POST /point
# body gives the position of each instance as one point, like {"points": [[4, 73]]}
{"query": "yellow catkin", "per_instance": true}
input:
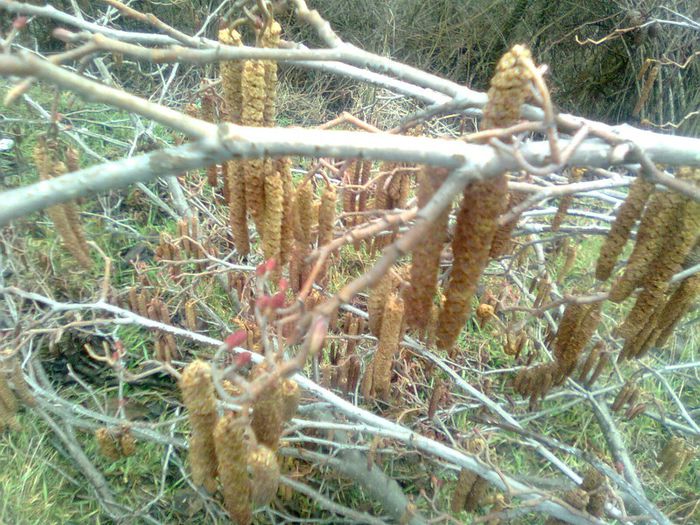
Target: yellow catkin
{"points": [[229, 437], [284, 168], [578, 330], [594, 483], [466, 481], [20, 385], [237, 206], [64, 216], [231, 74], [7, 398], [650, 235], [388, 345], [509, 89], [191, 315], [270, 38], [502, 239], [304, 217], [107, 444], [476, 494], [628, 214], [376, 300], [675, 455], [326, 221], [326, 215], [676, 307], [268, 409], [291, 395], [483, 201], [265, 475], [274, 213], [127, 443], [198, 396], [477, 218], [425, 262], [566, 200]]}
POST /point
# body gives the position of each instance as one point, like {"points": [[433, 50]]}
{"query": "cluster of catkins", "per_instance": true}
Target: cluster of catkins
{"points": [[470, 492], [590, 496], [259, 188], [628, 396], [232, 452], [141, 302], [115, 444], [675, 455], [577, 326], [65, 217], [13, 391], [667, 236]]}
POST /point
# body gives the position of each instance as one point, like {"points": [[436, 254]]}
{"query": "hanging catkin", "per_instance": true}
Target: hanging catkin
{"points": [[198, 396], [680, 237], [392, 322], [64, 216], [268, 411], [629, 212], [376, 300], [676, 307], [483, 201], [650, 235], [574, 333], [274, 213], [270, 38], [566, 200], [502, 239], [284, 167], [229, 437], [265, 475], [425, 261], [231, 74], [326, 222]]}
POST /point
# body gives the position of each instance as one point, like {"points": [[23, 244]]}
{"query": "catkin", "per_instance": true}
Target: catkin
{"points": [[265, 475], [291, 395], [303, 221], [231, 74], [578, 330], [652, 230], [270, 38], [676, 307], [675, 455], [376, 300], [20, 385], [64, 216], [502, 239], [629, 212], [680, 237], [107, 444], [482, 203], [566, 200], [237, 206], [268, 412], [229, 438], [466, 481], [198, 396], [389, 337], [425, 261], [284, 167], [274, 213], [326, 215]]}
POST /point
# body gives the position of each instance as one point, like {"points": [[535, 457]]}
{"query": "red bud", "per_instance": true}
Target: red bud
{"points": [[277, 300], [242, 359], [19, 22], [261, 303], [283, 285], [237, 338]]}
